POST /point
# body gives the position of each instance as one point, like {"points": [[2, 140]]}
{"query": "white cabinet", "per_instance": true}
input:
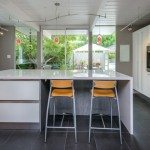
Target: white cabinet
{"points": [[19, 90], [141, 78], [20, 101], [19, 112]]}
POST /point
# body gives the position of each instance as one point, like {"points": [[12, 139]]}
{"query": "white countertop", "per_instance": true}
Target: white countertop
{"points": [[37, 74]]}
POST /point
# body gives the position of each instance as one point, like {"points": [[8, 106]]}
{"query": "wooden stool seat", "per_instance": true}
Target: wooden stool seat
{"points": [[103, 93], [62, 92]]}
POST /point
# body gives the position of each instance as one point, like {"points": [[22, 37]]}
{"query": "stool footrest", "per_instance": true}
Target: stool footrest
{"points": [[52, 127], [96, 128]]}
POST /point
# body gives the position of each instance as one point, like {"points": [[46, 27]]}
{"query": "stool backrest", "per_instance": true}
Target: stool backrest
{"points": [[104, 84], [61, 83]]}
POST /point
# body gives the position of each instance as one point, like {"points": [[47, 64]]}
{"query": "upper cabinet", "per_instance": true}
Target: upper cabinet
{"points": [[141, 77]]}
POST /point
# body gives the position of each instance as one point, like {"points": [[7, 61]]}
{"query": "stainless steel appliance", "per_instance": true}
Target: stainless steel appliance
{"points": [[148, 58]]}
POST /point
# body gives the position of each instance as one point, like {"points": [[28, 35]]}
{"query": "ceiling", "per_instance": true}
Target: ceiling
{"points": [[35, 13]]}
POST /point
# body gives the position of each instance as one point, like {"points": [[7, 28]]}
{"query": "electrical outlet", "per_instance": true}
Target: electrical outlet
{"points": [[8, 56]]}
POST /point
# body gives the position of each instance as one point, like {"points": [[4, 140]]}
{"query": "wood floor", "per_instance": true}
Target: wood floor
{"points": [[100, 140]]}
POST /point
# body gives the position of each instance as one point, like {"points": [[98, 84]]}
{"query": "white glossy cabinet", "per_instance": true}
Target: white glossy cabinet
{"points": [[141, 78], [19, 101]]}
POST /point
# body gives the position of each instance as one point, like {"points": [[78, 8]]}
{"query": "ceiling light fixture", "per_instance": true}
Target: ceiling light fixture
{"points": [[1, 33], [130, 28], [56, 37], [2, 28], [139, 17], [57, 4], [99, 37]]}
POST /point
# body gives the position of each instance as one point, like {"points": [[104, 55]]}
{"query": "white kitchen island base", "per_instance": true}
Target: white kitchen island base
{"points": [[23, 95]]}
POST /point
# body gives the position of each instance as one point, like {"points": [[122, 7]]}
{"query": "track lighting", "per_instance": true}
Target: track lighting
{"points": [[130, 28]]}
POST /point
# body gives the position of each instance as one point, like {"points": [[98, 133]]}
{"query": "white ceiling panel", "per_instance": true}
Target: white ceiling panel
{"points": [[36, 12]]}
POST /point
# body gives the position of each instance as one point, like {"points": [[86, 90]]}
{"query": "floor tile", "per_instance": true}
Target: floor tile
{"points": [[109, 141], [82, 143], [5, 135], [20, 140], [55, 141]]}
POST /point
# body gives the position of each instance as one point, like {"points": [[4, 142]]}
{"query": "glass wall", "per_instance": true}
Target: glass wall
{"points": [[54, 49], [65, 49], [26, 49], [77, 45], [104, 48]]}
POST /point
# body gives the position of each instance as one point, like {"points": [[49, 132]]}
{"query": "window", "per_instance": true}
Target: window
{"points": [[104, 48], [26, 49], [65, 49], [77, 48]]}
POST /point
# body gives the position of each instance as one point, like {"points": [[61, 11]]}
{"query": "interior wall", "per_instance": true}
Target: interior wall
{"points": [[7, 49], [124, 38]]}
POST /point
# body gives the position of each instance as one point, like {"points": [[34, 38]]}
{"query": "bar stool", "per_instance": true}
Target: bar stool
{"points": [[104, 89], [61, 88]]}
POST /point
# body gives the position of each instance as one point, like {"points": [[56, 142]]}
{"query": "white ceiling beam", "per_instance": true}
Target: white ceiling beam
{"points": [[18, 14], [94, 19]]}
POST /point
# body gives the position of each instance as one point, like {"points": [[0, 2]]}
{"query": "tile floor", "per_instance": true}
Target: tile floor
{"points": [[100, 140]]}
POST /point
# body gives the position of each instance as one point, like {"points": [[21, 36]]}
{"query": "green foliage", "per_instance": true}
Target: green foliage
{"points": [[54, 54], [107, 40], [26, 66], [29, 47], [112, 55]]}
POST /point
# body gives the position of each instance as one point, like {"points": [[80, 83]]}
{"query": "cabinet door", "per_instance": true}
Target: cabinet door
{"points": [[134, 60], [141, 78], [136, 44], [145, 77]]}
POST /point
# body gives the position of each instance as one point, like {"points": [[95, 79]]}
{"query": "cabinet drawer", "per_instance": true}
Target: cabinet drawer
{"points": [[19, 90], [19, 112]]}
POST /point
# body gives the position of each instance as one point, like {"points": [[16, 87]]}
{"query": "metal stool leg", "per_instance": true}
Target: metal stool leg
{"points": [[119, 116], [111, 111], [47, 118], [54, 113], [90, 121], [74, 116]]}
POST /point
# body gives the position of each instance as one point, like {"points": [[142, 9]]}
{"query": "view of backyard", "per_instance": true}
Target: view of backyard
{"points": [[68, 50]]}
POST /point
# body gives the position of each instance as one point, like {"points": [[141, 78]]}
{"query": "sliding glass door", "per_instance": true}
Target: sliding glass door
{"points": [[77, 49], [54, 47], [104, 48], [65, 49]]}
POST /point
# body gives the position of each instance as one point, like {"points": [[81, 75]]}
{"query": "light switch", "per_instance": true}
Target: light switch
{"points": [[8, 56]]}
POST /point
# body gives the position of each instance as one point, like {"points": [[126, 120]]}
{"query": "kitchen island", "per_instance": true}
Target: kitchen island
{"points": [[23, 95]]}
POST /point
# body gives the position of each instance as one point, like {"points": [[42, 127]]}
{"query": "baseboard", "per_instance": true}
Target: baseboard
{"points": [[144, 97], [16, 125]]}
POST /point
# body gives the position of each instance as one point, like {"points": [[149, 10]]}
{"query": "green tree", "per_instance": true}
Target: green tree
{"points": [[54, 54], [107, 40], [29, 47]]}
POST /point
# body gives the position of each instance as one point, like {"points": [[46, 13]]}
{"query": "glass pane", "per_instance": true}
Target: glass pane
{"points": [[77, 49], [104, 48], [26, 49], [54, 49]]}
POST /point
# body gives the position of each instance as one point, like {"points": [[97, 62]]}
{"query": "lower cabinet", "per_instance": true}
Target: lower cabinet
{"points": [[20, 101], [19, 112]]}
